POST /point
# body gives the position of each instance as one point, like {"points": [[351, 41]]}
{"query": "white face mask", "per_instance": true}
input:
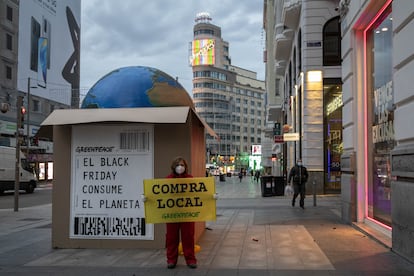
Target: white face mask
{"points": [[179, 169], [299, 163]]}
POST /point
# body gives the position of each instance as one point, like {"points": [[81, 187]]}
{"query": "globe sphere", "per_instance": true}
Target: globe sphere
{"points": [[136, 86]]}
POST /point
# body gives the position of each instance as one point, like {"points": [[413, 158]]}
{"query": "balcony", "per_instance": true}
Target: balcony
{"points": [[291, 13], [283, 44]]}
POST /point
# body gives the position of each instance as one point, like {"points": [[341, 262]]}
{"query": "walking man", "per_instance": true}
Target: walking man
{"points": [[299, 173]]}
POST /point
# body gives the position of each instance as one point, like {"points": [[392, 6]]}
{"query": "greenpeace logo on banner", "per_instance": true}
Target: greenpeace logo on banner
{"points": [[179, 199]]}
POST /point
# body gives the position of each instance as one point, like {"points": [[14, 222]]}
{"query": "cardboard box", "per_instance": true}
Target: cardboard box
{"points": [[173, 131]]}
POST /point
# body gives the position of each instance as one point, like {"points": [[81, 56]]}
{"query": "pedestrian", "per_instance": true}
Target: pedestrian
{"points": [[241, 175], [179, 169], [257, 175], [299, 174]]}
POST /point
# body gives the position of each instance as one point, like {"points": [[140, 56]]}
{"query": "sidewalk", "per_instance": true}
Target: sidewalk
{"points": [[252, 235]]}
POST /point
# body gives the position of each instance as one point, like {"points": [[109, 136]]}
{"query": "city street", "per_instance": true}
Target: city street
{"points": [[252, 235], [42, 195]]}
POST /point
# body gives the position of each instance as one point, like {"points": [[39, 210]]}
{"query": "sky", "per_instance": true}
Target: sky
{"points": [[156, 33]]}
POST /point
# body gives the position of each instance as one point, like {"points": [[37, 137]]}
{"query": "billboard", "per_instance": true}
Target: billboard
{"points": [[202, 52], [49, 48]]}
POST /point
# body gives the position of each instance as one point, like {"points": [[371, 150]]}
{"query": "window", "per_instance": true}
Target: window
{"points": [[8, 72], [9, 13], [381, 95], [36, 106], [9, 42], [300, 50], [332, 43]]}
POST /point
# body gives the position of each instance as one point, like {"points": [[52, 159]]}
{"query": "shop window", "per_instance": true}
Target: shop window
{"points": [[380, 116], [333, 148]]}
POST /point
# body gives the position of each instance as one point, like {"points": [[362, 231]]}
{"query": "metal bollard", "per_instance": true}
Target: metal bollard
{"points": [[314, 193]]}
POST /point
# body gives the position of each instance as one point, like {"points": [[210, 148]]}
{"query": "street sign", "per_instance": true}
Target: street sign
{"points": [[278, 138], [291, 136]]}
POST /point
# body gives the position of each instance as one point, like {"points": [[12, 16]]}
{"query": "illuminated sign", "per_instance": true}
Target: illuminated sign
{"points": [[256, 149], [334, 105], [291, 136], [202, 52]]}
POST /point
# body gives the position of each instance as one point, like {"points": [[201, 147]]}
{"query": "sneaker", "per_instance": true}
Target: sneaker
{"points": [[171, 265], [192, 265]]}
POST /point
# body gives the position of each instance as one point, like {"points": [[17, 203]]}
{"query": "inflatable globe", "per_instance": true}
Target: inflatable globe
{"points": [[136, 86]]}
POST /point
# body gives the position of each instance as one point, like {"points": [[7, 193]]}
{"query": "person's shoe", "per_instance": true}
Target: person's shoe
{"points": [[192, 265], [171, 265], [303, 207]]}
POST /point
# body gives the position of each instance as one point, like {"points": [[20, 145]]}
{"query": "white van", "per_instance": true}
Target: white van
{"points": [[7, 171]]}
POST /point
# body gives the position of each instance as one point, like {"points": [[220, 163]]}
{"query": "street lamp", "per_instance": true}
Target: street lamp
{"points": [[28, 116], [19, 126]]}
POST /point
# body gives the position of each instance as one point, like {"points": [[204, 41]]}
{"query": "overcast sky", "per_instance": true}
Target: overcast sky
{"points": [[157, 33]]}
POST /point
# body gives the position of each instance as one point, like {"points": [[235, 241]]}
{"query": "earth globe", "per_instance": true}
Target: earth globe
{"points": [[136, 86]]}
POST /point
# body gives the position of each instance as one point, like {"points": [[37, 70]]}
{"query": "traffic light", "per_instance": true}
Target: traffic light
{"points": [[22, 113]]}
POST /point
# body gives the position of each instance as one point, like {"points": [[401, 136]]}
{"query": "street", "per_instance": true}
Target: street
{"points": [[40, 196], [251, 235]]}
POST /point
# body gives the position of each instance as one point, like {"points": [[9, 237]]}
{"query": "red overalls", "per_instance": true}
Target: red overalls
{"points": [[187, 236]]}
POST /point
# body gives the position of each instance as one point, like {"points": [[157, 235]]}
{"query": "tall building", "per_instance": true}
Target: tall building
{"points": [[9, 29], [40, 62], [229, 98], [346, 68]]}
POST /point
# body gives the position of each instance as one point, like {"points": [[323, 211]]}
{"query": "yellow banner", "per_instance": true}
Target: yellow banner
{"points": [[179, 199]]}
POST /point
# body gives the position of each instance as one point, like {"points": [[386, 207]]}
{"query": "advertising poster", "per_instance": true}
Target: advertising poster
{"points": [[109, 164], [202, 52], [49, 48], [180, 199]]}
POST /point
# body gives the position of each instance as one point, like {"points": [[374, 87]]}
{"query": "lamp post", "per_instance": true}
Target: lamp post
{"points": [[19, 126], [28, 118]]}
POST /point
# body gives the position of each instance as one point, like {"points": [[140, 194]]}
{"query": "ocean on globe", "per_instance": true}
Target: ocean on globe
{"points": [[136, 86]]}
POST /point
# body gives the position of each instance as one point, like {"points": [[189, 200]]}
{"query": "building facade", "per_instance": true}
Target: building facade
{"points": [[378, 175], [9, 29], [39, 62], [346, 68], [229, 98], [303, 80]]}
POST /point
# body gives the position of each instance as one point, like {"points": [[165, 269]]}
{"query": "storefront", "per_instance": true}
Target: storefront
{"points": [[379, 116], [332, 90], [376, 164]]}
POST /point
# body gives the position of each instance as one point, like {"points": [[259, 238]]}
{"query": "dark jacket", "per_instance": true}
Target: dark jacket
{"points": [[299, 175]]}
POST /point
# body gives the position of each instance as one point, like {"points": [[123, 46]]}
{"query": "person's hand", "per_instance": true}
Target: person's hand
{"points": [[144, 198], [216, 196]]}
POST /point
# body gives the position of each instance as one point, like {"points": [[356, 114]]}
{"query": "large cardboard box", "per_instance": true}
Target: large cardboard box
{"points": [[87, 161]]}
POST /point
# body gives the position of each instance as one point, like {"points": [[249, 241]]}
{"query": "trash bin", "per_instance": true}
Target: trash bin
{"points": [[279, 185], [222, 178], [267, 185]]}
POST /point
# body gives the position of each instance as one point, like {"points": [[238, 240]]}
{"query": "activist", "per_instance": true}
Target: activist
{"points": [[179, 169]]}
